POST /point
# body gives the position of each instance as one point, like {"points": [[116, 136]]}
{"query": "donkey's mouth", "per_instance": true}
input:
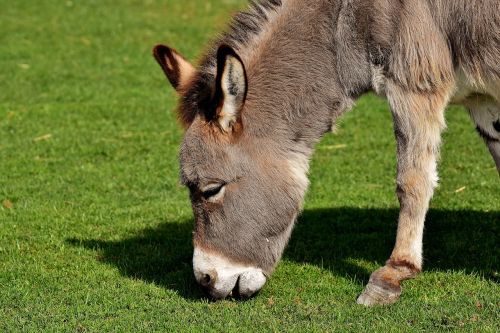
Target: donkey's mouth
{"points": [[220, 278], [240, 291], [235, 293]]}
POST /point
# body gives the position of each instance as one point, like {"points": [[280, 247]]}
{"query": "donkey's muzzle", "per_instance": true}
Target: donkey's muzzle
{"points": [[219, 277]]}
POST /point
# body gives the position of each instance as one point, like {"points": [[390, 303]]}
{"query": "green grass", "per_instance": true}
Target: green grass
{"points": [[95, 230]]}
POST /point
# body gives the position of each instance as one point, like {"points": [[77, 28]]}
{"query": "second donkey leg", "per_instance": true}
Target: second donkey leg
{"points": [[418, 123]]}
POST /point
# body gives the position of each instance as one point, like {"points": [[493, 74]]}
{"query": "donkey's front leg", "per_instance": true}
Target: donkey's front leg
{"points": [[418, 122]]}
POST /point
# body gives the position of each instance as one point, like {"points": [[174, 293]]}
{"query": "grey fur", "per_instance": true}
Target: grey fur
{"points": [[306, 61]]}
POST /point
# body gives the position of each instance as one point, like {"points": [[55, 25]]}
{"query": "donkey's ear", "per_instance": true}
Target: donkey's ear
{"points": [[177, 69], [231, 85]]}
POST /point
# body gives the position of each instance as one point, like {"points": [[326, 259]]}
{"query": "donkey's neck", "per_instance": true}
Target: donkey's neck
{"points": [[291, 72]]}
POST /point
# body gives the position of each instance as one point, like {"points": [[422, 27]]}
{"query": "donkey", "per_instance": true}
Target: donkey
{"points": [[278, 79]]}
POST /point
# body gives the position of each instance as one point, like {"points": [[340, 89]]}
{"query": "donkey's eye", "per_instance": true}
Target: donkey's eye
{"points": [[213, 192]]}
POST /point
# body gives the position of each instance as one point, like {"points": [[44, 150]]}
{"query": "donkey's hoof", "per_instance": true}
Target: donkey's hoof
{"points": [[379, 295]]}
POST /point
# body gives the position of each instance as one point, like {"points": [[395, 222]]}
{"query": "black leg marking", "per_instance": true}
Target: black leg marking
{"points": [[485, 135], [496, 125]]}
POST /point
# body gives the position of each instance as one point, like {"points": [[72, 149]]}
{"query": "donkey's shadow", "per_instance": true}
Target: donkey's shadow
{"points": [[333, 238]]}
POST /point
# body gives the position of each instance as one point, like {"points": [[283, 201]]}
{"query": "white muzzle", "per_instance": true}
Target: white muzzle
{"points": [[219, 277]]}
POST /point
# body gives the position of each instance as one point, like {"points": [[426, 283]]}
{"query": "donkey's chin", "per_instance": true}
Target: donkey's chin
{"points": [[220, 278]]}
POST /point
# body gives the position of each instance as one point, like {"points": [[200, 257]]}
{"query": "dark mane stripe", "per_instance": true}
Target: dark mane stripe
{"points": [[245, 25], [248, 23]]}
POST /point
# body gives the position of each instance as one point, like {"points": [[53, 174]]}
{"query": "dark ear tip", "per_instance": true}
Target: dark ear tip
{"points": [[225, 50], [160, 49]]}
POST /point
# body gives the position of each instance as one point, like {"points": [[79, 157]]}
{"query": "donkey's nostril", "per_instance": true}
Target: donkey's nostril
{"points": [[206, 280]]}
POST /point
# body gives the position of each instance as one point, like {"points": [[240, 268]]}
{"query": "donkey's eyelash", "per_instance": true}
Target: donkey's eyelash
{"points": [[212, 191], [212, 186], [205, 183]]}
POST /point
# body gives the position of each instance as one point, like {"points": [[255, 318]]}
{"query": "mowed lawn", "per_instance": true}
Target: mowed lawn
{"points": [[95, 229]]}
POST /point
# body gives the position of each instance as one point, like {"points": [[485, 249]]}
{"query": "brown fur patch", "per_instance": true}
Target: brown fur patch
{"points": [[392, 274], [398, 264]]}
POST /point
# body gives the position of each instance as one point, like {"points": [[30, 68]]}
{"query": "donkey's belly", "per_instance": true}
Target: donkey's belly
{"points": [[468, 91]]}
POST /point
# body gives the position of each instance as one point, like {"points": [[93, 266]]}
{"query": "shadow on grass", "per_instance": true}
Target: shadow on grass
{"points": [[458, 240]]}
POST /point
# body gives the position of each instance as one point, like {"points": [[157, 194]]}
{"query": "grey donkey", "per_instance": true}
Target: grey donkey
{"points": [[276, 81]]}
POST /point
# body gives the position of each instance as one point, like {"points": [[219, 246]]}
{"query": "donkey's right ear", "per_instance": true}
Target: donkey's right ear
{"points": [[177, 69]]}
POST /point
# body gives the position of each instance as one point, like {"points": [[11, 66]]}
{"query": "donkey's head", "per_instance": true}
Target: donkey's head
{"points": [[246, 189]]}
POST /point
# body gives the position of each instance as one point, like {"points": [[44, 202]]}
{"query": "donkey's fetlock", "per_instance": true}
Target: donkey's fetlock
{"points": [[383, 288]]}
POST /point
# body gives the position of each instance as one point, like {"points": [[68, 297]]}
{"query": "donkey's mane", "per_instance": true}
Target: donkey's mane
{"points": [[244, 26]]}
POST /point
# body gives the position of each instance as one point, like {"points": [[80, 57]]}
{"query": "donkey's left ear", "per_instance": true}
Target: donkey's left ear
{"points": [[231, 83], [177, 69]]}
